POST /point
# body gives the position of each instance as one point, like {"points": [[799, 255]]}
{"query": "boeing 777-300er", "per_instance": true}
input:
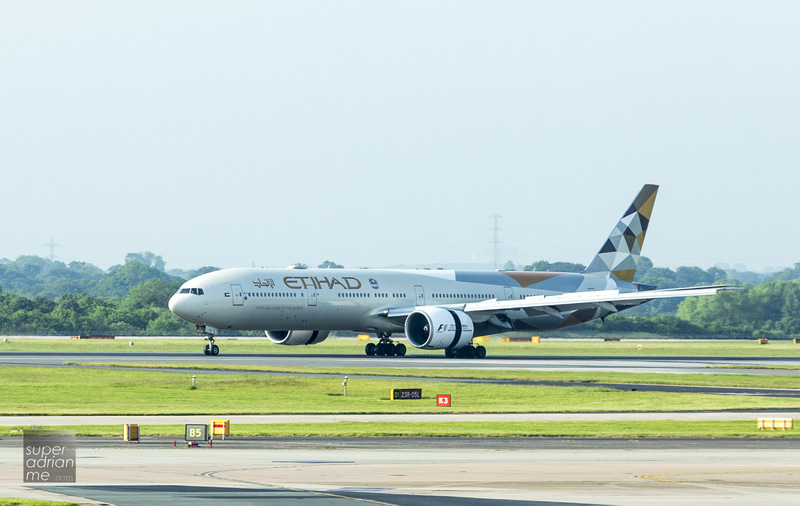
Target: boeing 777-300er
{"points": [[436, 309]]}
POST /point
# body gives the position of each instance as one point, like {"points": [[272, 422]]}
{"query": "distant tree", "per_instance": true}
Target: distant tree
{"points": [[147, 258], [787, 274], [327, 264], [154, 292], [202, 270], [543, 265], [509, 266], [121, 278]]}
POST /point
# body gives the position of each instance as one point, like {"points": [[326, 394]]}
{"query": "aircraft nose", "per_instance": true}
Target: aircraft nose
{"points": [[177, 305]]}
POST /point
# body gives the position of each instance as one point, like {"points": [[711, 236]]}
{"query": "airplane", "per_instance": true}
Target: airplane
{"points": [[435, 309]]}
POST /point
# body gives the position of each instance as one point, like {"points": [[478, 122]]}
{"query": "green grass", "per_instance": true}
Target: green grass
{"points": [[598, 429], [495, 346], [89, 391], [374, 369], [10, 501]]}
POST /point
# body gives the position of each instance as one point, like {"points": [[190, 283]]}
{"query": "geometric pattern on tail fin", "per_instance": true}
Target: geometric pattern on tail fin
{"points": [[619, 255]]}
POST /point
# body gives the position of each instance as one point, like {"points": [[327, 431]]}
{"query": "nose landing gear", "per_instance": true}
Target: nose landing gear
{"points": [[211, 348], [385, 347]]}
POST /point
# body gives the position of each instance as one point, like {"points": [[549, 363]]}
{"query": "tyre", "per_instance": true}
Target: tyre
{"points": [[370, 349], [207, 350], [215, 350], [380, 349], [480, 352], [390, 350], [400, 349], [469, 352], [450, 353]]}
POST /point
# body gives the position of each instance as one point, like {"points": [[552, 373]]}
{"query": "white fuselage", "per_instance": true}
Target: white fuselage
{"points": [[349, 299]]}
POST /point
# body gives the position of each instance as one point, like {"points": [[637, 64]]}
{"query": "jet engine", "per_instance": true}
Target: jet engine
{"points": [[296, 337], [435, 328]]}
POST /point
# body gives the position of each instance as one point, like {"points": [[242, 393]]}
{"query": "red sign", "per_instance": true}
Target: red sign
{"points": [[443, 401]]}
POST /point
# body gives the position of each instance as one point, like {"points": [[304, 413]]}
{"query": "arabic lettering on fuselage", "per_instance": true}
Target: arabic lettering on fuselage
{"points": [[315, 282]]}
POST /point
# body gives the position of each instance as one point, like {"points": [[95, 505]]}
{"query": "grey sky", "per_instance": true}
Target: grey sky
{"points": [[386, 133]]}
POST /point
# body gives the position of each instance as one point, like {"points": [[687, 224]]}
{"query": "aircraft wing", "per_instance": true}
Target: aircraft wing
{"points": [[562, 305]]}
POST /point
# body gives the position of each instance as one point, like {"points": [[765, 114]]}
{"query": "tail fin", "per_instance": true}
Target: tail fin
{"points": [[619, 255]]}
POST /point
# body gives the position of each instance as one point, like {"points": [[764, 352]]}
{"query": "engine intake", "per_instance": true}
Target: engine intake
{"points": [[296, 337], [436, 328]]}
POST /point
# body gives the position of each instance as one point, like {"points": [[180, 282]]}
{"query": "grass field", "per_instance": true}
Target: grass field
{"points": [[91, 390], [616, 429], [375, 369], [9, 501]]}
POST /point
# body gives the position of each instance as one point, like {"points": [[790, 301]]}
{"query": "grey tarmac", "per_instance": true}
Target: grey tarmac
{"points": [[427, 471], [421, 471]]}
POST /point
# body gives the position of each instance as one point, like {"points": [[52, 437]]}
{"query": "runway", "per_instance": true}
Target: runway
{"points": [[419, 471]]}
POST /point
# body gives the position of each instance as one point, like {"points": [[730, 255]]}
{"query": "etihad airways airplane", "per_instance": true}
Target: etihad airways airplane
{"points": [[435, 309]]}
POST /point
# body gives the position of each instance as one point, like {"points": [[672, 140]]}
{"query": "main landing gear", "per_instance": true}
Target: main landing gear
{"points": [[211, 348], [385, 347], [466, 352]]}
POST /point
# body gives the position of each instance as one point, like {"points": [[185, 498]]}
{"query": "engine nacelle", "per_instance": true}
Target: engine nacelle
{"points": [[436, 328], [296, 337]]}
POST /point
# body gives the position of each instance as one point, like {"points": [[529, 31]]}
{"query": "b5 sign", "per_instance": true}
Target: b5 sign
{"points": [[443, 401]]}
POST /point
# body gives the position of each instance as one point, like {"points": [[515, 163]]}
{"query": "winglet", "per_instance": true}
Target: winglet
{"points": [[619, 255]]}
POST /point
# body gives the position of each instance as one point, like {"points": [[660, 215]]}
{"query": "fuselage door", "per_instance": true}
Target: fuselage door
{"points": [[509, 292], [420, 295], [237, 295], [312, 297]]}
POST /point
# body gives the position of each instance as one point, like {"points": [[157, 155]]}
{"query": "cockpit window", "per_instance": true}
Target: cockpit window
{"points": [[193, 291], [184, 290]]}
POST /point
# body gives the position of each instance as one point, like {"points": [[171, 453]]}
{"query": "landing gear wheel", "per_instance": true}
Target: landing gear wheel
{"points": [[211, 348], [469, 352], [450, 353], [386, 347], [480, 352]]}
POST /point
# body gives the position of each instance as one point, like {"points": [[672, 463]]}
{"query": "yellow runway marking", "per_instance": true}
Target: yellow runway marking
{"points": [[666, 477]]}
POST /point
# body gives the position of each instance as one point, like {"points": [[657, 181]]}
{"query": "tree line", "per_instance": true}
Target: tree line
{"points": [[40, 297]]}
